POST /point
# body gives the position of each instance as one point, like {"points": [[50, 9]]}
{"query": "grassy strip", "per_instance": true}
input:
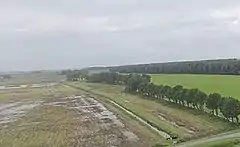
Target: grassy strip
{"points": [[223, 143]]}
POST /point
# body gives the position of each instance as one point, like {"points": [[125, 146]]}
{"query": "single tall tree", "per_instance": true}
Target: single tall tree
{"points": [[213, 102]]}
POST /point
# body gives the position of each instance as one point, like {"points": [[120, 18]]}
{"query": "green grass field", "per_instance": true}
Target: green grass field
{"points": [[226, 85]]}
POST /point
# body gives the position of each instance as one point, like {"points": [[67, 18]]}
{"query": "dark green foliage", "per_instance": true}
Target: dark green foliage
{"points": [[177, 90], [224, 66], [74, 75], [213, 102], [194, 98], [109, 78], [230, 108], [134, 82], [147, 77], [160, 145], [201, 99]]}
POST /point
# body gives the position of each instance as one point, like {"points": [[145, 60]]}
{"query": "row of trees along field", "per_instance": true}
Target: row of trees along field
{"points": [[223, 66], [74, 75], [214, 103]]}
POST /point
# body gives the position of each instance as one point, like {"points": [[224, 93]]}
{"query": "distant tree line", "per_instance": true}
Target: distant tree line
{"points": [[223, 66], [74, 75], [194, 98]]}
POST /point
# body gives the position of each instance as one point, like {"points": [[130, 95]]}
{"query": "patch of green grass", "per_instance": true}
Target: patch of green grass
{"points": [[203, 124], [234, 142], [227, 85]]}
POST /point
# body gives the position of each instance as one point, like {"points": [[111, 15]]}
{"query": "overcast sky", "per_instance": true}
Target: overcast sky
{"points": [[55, 34]]}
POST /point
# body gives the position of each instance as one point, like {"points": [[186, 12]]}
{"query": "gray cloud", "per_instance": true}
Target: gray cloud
{"points": [[51, 34]]}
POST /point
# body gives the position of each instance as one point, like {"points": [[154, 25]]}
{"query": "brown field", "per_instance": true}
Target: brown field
{"points": [[61, 116]]}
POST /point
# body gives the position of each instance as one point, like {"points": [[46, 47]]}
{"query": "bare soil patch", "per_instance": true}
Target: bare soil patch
{"points": [[95, 124], [12, 111]]}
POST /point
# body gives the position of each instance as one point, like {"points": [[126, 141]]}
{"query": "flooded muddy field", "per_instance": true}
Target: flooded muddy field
{"points": [[12, 111], [9, 87], [76, 121], [95, 123], [48, 116]]}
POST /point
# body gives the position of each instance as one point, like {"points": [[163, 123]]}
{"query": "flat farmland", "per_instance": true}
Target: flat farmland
{"points": [[32, 78], [227, 85], [178, 121], [61, 116]]}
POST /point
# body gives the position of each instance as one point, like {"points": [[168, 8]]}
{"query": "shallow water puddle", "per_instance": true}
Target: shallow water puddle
{"points": [[9, 87], [10, 112], [89, 109]]}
